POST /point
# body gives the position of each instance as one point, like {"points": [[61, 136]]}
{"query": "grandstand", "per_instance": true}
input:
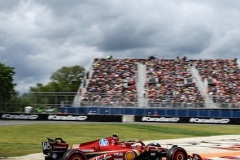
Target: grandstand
{"points": [[161, 82]]}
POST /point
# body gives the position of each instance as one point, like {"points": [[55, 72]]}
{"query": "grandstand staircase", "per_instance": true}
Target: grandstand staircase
{"points": [[202, 88], [78, 97], [141, 80]]}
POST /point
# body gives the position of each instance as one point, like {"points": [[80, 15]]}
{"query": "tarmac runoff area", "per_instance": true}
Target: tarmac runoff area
{"points": [[210, 148]]}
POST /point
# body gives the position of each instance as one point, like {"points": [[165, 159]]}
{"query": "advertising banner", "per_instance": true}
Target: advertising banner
{"points": [[60, 117], [196, 120]]}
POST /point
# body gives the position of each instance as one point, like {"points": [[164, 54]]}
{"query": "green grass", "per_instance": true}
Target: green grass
{"points": [[25, 139]]}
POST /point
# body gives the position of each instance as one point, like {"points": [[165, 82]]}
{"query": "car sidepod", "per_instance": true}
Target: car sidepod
{"points": [[118, 155]]}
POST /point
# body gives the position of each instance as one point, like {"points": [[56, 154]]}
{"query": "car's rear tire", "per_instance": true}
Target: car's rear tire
{"points": [[47, 158], [74, 155], [176, 153]]}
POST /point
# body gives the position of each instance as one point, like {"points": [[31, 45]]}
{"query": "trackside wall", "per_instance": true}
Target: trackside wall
{"points": [[117, 118], [176, 112]]}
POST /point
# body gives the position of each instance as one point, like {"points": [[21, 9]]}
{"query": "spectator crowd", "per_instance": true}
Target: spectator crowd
{"points": [[112, 82], [168, 81], [223, 79]]}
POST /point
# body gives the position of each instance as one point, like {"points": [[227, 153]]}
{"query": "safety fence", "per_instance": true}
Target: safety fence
{"points": [[41, 101]]}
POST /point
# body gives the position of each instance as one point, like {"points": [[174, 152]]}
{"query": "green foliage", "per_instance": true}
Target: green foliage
{"points": [[63, 84], [69, 78], [6, 78], [6, 86], [66, 79]]}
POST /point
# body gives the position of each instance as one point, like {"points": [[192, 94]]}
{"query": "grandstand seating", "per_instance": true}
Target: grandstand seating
{"points": [[168, 81], [112, 81], [223, 80]]}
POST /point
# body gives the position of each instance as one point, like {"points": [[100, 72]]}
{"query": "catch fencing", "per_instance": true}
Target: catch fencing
{"points": [[64, 102]]}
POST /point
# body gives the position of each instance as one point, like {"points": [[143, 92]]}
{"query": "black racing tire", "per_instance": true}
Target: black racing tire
{"points": [[47, 158], [176, 153], [74, 154]]}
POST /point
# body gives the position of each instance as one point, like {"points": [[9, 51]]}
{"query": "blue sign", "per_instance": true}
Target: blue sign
{"points": [[103, 142]]}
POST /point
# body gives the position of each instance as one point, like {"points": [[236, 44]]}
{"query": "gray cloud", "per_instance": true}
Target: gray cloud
{"points": [[39, 37]]}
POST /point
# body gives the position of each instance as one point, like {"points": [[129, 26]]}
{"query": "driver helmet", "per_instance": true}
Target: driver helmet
{"points": [[115, 138]]}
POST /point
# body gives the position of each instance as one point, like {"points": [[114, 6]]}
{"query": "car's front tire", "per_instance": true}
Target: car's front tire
{"points": [[74, 155], [176, 153]]}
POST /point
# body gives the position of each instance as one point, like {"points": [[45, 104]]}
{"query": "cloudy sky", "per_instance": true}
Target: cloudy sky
{"points": [[37, 37]]}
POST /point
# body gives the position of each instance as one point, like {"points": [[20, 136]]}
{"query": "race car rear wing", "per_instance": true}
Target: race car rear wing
{"points": [[57, 145]]}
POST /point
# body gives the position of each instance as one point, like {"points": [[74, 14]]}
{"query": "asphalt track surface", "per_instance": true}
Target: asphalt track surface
{"points": [[210, 148]]}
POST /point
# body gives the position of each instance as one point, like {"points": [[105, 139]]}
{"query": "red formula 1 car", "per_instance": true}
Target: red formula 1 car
{"points": [[111, 148]]}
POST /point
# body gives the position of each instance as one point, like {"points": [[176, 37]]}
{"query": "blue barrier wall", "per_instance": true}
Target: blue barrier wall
{"points": [[213, 113]]}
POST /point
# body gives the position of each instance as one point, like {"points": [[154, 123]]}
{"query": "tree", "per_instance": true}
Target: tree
{"points": [[62, 87], [68, 78], [65, 79], [6, 85]]}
